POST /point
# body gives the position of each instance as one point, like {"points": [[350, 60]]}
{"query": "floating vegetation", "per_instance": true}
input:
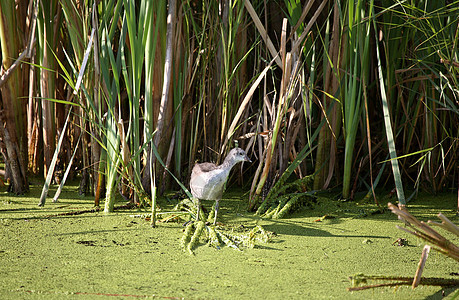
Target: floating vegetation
{"points": [[186, 237], [433, 239], [425, 231], [324, 217], [283, 199], [361, 282], [194, 240], [184, 211], [189, 205], [167, 216], [217, 236], [235, 237]]}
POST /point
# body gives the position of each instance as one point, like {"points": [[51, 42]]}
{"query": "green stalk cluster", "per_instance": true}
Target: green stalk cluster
{"points": [[216, 237], [186, 237], [214, 240], [274, 203], [200, 225]]}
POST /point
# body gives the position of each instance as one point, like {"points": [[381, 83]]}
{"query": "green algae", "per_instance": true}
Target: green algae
{"points": [[44, 255]]}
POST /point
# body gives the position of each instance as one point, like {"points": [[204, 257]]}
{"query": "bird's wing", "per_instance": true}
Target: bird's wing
{"points": [[204, 167]]}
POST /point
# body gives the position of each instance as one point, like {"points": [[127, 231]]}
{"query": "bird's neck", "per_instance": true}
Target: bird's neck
{"points": [[228, 164]]}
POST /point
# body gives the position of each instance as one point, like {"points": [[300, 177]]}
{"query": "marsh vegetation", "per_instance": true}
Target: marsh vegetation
{"points": [[124, 97]]}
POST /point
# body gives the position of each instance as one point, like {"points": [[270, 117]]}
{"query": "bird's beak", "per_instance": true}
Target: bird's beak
{"points": [[246, 158]]}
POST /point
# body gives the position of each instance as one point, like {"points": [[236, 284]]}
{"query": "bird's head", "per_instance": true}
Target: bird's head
{"points": [[237, 155]]}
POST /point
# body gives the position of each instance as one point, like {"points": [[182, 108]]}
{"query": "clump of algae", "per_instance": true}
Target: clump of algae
{"points": [[217, 236]]}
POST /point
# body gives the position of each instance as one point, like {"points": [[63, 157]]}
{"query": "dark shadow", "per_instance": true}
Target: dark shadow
{"points": [[309, 229], [96, 231], [444, 292], [266, 248]]}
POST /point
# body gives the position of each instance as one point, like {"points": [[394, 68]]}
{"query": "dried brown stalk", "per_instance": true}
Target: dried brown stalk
{"points": [[432, 281], [424, 231], [433, 238]]}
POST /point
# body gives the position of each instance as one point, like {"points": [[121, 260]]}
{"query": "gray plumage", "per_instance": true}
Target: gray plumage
{"points": [[208, 180]]}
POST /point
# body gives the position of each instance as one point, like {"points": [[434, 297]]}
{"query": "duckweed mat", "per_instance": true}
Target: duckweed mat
{"points": [[45, 254]]}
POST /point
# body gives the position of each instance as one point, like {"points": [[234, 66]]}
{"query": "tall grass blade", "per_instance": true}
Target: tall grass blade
{"points": [[52, 165], [67, 171], [388, 127]]}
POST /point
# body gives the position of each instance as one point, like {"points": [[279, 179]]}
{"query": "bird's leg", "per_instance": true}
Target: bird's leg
{"points": [[216, 210], [198, 201]]}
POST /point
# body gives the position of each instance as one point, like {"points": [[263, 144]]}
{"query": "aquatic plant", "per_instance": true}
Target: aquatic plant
{"points": [[217, 236], [277, 206], [318, 87], [425, 231], [433, 239]]}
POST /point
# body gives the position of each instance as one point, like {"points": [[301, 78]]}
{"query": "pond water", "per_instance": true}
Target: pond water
{"points": [[44, 255]]}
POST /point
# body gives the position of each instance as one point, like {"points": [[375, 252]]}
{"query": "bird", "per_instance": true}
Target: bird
{"points": [[208, 180]]}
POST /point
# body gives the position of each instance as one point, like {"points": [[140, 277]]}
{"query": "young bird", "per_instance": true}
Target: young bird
{"points": [[208, 180]]}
